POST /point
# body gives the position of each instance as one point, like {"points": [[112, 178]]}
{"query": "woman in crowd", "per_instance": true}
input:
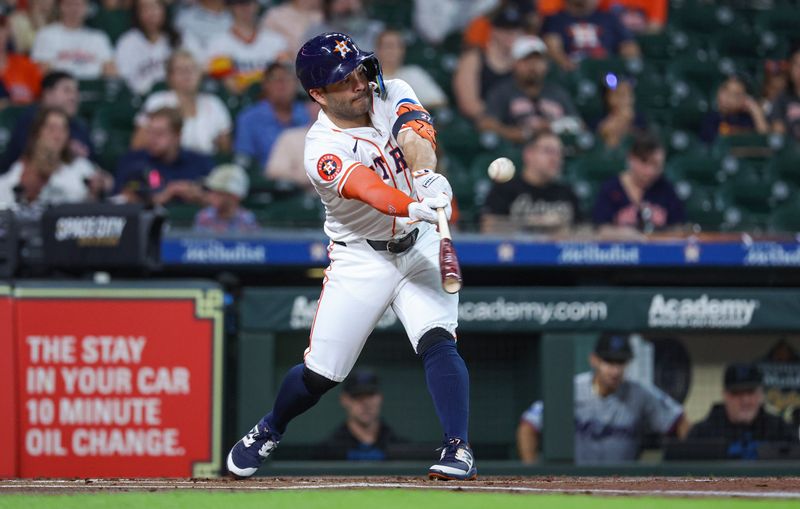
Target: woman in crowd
{"points": [[142, 51], [48, 173], [206, 121]]}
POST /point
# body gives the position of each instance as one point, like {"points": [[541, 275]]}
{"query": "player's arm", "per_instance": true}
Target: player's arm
{"points": [[527, 442], [364, 185], [416, 136]]}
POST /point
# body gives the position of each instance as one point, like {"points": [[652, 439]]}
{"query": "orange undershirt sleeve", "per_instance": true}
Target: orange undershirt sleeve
{"points": [[364, 185]]}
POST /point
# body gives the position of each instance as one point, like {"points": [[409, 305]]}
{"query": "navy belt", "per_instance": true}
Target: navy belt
{"points": [[395, 246]]}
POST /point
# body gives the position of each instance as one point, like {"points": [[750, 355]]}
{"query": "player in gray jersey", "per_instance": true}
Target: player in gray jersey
{"points": [[612, 414]]}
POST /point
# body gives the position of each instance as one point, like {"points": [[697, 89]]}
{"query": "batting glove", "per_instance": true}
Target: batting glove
{"points": [[428, 184], [425, 210]]}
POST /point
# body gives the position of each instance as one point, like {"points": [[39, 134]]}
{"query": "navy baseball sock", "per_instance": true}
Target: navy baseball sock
{"points": [[448, 383], [293, 399]]}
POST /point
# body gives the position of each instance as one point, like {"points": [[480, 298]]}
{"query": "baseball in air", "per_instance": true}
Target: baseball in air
{"points": [[501, 169]]}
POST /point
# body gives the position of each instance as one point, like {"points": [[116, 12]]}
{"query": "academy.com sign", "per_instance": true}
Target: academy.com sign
{"points": [[702, 312], [497, 310], [501, 310]]}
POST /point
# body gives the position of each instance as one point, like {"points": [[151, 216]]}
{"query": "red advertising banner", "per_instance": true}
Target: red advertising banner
{"points": [[117, 386], [8, 388]]}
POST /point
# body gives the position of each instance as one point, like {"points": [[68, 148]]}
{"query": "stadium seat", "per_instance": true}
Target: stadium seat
{"points": [[700, 71], [8, 119], [703, 210], [781, 20], [113, 22], [458, 137], [688, 110], [785, 218], [698, 168], [596, 168], [394, 14], [744, 146], [294, 210], [785, 167], [181, 215]]}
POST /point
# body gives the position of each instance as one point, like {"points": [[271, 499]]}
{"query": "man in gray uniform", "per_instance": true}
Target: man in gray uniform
{"points": [[612, 414]]}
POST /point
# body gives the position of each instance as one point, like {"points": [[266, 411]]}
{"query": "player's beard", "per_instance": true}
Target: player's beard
{"points": [[352, 110]]}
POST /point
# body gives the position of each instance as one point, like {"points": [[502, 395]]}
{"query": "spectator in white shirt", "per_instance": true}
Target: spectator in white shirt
{"points": [[292, 20], [206, 120], [142, 51], [240, 55], [69, 46], [48, 173], [391, 52], [199, 22]]}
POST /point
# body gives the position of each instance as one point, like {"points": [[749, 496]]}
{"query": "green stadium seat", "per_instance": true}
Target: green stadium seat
{"points": [[785, 218], [688, 110], [681, 141], [394, 14], [596, 168], [113, 22], [97, 92], [703, 210], [702, 20], [780, 20], [785, 167], [8, 119], [301, 210], [182, 214], [697, 168], [458, 137], [756, 197], [744, 146], [700, 71]]}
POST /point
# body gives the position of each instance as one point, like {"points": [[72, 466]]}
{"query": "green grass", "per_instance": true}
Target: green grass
{"points": [[374, 499]]}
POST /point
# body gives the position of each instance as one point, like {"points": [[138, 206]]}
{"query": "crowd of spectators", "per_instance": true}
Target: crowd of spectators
{"points": [[516, 68]]}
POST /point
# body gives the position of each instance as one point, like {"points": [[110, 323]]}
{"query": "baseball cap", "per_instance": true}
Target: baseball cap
{"points": [[742, 377], [360, 383], [228, 178], [613, 348], [526, 46], [510, 17]]}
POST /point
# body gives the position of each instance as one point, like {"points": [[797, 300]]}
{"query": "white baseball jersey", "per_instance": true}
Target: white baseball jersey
{"points": [[248, 58], [332, 153], [362, 282], [81, 52], [140, 62]]}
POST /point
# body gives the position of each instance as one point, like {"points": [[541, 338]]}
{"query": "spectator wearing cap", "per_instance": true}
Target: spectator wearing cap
{"points": [[258, 126], [239, 56], [741, 419], [21, 78], [59, 90], [162, 171], [70, 46], [581, 31], [525, 103], [479, 70], [226, 186], [612, 413], [364, 435]]}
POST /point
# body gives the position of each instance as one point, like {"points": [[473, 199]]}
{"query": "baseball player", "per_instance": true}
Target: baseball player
{"points": [[370, 156], [612, 414]]}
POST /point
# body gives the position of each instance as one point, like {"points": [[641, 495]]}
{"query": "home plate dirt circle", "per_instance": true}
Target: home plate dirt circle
{"points": [[740, 487]]}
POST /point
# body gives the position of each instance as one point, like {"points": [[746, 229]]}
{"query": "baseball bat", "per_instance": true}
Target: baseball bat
{"points": [[448, 261]]}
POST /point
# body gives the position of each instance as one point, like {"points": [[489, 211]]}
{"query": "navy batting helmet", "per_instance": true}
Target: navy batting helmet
{"points": [[330, 57]]}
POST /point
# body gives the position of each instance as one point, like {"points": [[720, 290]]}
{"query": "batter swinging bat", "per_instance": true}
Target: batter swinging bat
{"points": [[448, 262]]}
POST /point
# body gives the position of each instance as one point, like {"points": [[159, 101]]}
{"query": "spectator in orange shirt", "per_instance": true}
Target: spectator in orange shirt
{"points": [[638, 16], [19, 75]]}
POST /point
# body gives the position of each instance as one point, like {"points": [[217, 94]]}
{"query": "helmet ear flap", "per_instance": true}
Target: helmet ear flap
{"points": [[372, 69]]}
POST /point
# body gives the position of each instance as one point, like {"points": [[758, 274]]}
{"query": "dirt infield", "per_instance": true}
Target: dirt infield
{"points": [[747, 487]]}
